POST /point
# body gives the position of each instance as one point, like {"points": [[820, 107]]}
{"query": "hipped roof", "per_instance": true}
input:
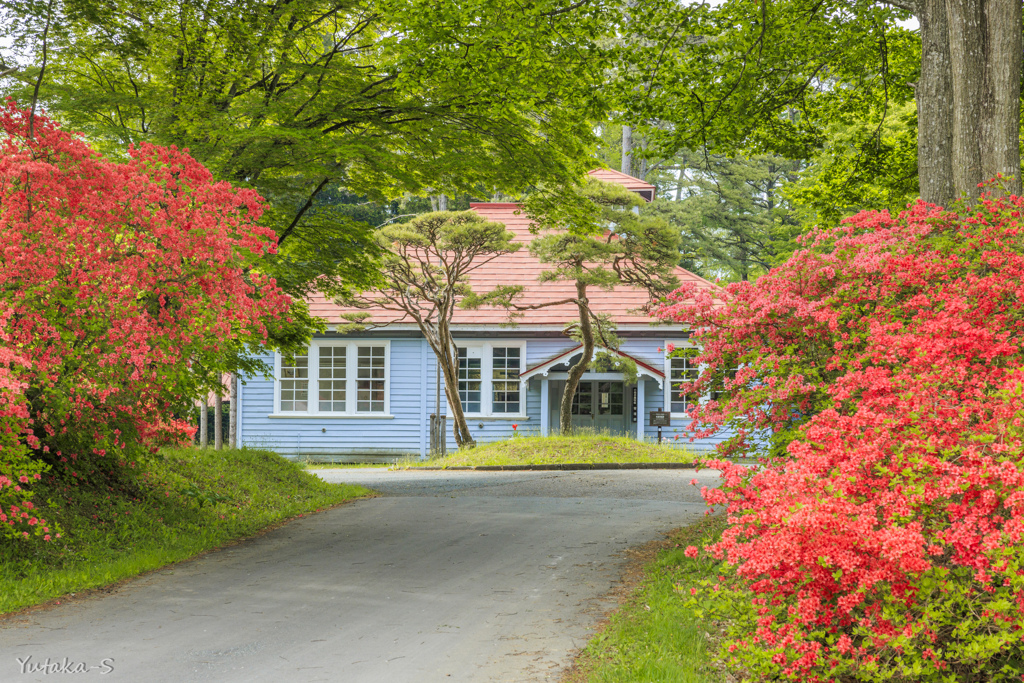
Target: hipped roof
{"points": [[522, 268]]}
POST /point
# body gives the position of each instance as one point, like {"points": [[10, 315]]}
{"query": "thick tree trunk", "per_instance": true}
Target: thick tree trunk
{"points": [[1003, 23], [967, 65], [935, 107], [576, 371], [984, 38]]}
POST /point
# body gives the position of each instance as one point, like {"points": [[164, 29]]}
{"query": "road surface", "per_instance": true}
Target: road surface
{"points": [[447, 576]]}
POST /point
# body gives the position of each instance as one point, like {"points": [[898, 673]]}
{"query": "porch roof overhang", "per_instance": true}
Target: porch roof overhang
{"points": [[544, 368]]}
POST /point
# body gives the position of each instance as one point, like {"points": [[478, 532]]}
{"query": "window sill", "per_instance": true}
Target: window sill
{"points": [[330, 416], [495, 418]]}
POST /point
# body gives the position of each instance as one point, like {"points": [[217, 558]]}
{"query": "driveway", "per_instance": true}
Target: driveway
{"points": [[448, 576]]}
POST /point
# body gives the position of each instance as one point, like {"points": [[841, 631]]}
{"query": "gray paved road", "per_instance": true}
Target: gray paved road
{"points": [[449, 576]]}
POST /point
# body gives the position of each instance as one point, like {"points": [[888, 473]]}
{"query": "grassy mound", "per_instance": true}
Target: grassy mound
{"points": [[654, 637], [119, 522], [549, 450]]}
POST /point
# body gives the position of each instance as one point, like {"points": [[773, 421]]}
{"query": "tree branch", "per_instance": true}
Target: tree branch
{"points": [[305, 207], [565, 10], [42, 70]]}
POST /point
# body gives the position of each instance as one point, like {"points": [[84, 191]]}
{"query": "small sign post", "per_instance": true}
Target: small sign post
{"points": [[659, 419]]}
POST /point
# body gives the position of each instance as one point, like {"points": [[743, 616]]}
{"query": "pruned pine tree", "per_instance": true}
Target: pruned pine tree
{"points": [[425, 273], [598, 241]]}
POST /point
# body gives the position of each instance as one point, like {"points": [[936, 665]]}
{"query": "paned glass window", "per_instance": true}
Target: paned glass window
{"points": [[370, 379], [583, 400], [683, 369], [505, 379], [470, 382], [294, 384], [332, 378], [610, 398]]}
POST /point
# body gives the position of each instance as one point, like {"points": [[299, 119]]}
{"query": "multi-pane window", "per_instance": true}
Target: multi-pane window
{"points": [[332, 380], [488, 376], [505, 379], [294, 384], [682, 369], [335, 378], [583, 399], [470, 381], [610, 398], [370, 379]]}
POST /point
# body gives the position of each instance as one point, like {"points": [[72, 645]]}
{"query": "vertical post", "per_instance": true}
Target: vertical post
{"points": [[433, 434], [640, 413], [627, 150], [203, 417], [442, 434], [218, 423], [233, 411], [240, 410], [545, 408]]}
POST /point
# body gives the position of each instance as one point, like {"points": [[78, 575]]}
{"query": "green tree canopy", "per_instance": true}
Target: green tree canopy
{"points": [[771, 76], [293, 98]]}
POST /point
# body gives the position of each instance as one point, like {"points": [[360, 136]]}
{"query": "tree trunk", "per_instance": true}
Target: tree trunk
{"points": [[443, 345], [627, 150], [934, 94], [967, 64], [576, 371], [218, 424], [233, 412], [977, 133], [204, 416], [1003, 23]]}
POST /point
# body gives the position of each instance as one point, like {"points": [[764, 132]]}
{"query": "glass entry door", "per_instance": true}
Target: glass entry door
{"points": [[600, 405]]}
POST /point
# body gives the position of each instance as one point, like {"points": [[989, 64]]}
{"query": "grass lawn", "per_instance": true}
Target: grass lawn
{"points": [[167, 508], [654, 637], [549, 450]]}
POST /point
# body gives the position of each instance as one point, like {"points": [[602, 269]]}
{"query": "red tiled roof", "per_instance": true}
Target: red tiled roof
{"points": [[522, 268], [627, 181]]}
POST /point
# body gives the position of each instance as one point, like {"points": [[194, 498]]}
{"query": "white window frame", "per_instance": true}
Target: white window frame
{"points": [[684, 343], [487, 375], [351, 379]]}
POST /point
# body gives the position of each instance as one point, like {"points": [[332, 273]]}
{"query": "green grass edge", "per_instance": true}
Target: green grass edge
{"points": [[224, 497], [582, 449], [654, 636]]}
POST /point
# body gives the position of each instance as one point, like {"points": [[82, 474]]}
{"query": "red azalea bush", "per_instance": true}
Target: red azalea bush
{"points": [[879, 377], [123, 286]]}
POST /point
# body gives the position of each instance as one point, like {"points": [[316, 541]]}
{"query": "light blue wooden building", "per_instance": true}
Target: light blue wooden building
{"points": [[369, 395]]}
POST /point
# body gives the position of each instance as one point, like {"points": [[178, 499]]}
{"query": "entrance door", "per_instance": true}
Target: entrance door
{"points": [[600, 405]]}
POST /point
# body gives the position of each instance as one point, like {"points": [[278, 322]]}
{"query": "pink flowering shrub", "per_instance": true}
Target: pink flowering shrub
{"points": [[881, 369], [122, 287]]}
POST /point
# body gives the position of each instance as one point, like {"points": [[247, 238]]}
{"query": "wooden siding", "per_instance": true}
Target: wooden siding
{"points": [[412, 400]]}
